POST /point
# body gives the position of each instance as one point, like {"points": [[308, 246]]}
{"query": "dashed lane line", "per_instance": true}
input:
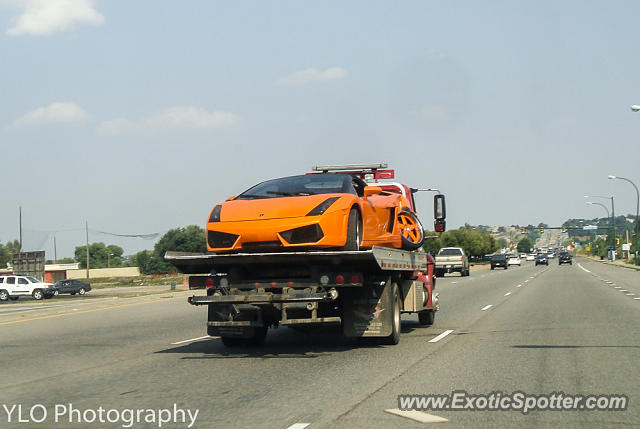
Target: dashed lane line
{"points": [[486, 307], [418, 416], [191, 339], [441, 336]]}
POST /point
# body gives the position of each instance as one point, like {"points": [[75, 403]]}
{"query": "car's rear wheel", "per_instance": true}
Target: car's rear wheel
{"points": [[37, 294], [82, 291], [354, 231], [411, 230], [4, 295]]}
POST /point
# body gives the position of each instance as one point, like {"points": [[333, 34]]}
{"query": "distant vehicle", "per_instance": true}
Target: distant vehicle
{"points": [[551, 255], [450, 259], [514, 260], [531, 257], [499, 261], [523, 255], [71, 286], [13, 287], [541, 258], [565, 258]]}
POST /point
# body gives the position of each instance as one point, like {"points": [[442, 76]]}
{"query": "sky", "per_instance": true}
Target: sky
{"points": [[138, 117]]}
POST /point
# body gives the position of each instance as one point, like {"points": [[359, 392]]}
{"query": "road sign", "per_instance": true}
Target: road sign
{"points": [[588, 227], [588, 249], [626, 247]]}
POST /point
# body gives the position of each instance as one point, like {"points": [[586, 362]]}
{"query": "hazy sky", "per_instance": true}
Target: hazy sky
{"points": [[138, 116]]}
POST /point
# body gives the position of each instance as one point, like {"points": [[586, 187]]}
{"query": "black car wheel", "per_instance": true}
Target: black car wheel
{"points": [[354, 231], [37, 294], [4, 295]]}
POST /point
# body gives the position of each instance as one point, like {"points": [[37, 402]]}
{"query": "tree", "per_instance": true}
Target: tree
{"points": [[524, 245], [475, 242], [188, 239], [100, 255], [5, 256]]}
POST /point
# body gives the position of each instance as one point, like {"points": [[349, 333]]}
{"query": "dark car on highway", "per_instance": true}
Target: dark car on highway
{"points": [[499, 261], [71, 286], [542, 259], [565, 258]]}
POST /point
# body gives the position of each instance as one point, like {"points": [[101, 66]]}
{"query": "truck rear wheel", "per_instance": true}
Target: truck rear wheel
{"points": [[396, 325], [426, 317]]}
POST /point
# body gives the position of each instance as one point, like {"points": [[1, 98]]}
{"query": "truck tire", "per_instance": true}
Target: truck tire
{"points": [[37, 294], [354, 231], [394, 337], [426, 317], [412, 233], [4, 295]]}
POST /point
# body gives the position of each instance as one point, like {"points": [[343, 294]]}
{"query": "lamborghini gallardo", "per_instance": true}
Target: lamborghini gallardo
{"points": [[326, 211]]}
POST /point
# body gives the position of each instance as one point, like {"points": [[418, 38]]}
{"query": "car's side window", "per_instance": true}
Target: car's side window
{"points": [[1, 280], [11, 280], [22, 281]]}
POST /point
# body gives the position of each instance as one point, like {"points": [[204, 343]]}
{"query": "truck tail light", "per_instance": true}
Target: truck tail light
{"points": [[339, 279]]}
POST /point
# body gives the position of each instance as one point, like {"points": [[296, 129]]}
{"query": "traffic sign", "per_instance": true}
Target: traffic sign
{"points": [[588, 227]]}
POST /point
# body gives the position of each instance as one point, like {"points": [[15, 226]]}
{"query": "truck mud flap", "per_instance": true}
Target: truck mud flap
{"points": [[221, 323], [368, 310]]}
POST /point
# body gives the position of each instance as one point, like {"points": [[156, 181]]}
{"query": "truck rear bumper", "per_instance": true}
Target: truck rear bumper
{"points": [[263, 298]]}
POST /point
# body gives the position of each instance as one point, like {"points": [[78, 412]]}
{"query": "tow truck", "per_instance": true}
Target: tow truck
{"points": [[364, 292]]}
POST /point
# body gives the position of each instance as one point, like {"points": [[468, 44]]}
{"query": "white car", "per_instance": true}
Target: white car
{"points": [[514, 260], [13, 287], [531, 257]]}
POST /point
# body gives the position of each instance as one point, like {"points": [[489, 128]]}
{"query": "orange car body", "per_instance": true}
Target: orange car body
{"points": [[289, 222]]}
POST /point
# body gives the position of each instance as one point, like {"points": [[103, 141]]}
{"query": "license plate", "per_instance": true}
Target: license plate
{"points": [[448, 266]]}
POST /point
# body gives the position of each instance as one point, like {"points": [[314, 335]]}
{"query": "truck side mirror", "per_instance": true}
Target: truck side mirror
{"points": [[439, 213]]}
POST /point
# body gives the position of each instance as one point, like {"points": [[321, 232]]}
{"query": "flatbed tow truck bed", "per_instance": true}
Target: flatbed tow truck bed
{"points": [[364, 291]]}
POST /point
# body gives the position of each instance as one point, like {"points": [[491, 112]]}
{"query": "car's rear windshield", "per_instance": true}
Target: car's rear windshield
{"points": [[449, 252], [309, 184], [499, 257]]}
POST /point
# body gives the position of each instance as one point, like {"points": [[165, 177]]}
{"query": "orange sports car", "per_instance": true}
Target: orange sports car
{"points": [[316, 211]]}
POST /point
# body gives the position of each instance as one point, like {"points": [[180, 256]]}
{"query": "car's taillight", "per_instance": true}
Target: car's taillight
{"points": [[215, 214], [322, 207]]}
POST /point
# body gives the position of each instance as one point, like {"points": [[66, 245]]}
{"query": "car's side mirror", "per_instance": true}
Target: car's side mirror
{"points": [[371, 190], [439, 213], [232, 198]]}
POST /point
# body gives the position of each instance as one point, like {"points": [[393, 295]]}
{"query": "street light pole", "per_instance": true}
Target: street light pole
{"points": [[637, 205], [613, 215], [601, 205]]}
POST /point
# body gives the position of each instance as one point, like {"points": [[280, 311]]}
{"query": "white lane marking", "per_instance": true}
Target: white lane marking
{"points": [[486, 307], [636, 298], [441, 336], [519, 286], [418, 416], [618, 287], [532, 277], [298, 425], [623, 290], [453, 283], [629, 294], [507, 294], [583, 268], [191, 339], [526, 281]]}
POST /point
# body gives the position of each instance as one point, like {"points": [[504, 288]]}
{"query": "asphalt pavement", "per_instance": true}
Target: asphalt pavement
{"points": [[538, 330]]}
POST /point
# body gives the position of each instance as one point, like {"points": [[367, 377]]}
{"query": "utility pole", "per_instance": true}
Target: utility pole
{"points": [[87, 232], [20, 220], [613, 218], [55, 251]]}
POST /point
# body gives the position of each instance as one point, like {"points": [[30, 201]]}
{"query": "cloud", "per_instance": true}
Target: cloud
{"points": [[434, 113], [45, 17], [311, 75], [55, 113], [181, 117]]}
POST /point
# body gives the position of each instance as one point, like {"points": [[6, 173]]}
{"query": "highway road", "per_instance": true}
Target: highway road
{"points": [[538, 330]]}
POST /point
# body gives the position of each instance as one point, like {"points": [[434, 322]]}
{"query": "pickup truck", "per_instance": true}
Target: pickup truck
{"points": [[450, 259], [13, 287]]}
